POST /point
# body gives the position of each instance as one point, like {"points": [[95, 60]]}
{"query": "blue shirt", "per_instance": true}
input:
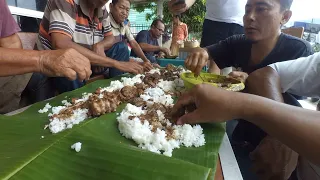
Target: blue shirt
{"points": [[144, 36]]}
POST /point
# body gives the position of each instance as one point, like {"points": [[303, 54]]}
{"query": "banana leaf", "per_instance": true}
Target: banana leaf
{"points": [[105, 154]]}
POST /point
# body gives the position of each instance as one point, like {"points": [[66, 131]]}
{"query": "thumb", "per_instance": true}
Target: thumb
{"points": [[190, 118]]}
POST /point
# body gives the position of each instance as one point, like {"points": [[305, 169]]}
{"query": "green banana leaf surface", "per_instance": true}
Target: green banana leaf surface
{"points": [[105, 154]]}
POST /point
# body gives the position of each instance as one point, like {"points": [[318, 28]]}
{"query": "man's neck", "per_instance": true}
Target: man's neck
{"points": [[262, 49], [115, 19], [151, 35]]}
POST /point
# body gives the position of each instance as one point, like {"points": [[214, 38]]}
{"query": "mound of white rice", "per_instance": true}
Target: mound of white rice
{"points": [[142, 134]]}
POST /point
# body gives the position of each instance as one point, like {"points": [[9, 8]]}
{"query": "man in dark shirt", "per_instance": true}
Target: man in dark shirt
{"points": [[148, 40], [262, 44]]}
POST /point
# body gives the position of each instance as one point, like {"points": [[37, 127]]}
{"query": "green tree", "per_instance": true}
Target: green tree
{"points": [[193, 17]]}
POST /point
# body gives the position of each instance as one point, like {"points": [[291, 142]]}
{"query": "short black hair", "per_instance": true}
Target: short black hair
{"points": [[114, 2], [285, 4], [156, 21]]}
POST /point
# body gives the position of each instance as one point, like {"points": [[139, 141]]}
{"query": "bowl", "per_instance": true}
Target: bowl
{"points": [[223, 82]]}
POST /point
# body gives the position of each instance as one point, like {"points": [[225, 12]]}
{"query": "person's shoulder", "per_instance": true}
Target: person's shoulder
{"points": [[295, 42], [143, 32]]}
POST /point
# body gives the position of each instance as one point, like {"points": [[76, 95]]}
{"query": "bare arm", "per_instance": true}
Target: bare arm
{"points": [[12, 41], [61, 41], [18, 61], [265, 82], [180, 8], [213, 68], [60, 63], [137, 49], [149, 48], [296, 127], [107, 42], [186, 33]]}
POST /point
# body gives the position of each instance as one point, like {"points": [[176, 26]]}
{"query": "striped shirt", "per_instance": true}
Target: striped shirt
{"points": [[120, 31], [71, 18]]}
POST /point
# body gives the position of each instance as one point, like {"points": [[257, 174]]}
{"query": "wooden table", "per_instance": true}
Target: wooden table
{"points": [[227, 166], [219, 174]]}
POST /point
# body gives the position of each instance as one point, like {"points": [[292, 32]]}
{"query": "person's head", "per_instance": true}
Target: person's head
{"points": [[157, 28], [176, 19], [120, 10], [97, 3], [264, 18]]}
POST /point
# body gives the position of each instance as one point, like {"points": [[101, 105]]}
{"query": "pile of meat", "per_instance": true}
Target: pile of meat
{"points": [[102, 102]]}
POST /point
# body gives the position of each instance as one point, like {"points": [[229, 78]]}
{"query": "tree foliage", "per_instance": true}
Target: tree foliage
{"points": [[193, 17]]}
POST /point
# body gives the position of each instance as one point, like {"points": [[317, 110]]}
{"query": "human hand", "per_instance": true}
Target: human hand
{"points": [[212, 105], [155, 65], [166, 51], [99, 49], [64, 63], [147, 66], [241, 76], [196, 60], [177, 8], [98, 69], [130, 67]]}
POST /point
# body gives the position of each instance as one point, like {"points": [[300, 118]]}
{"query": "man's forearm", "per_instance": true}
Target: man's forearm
{"points": [[107, 42], [136, 48], [149, 48], [213, 68], [93, 57], [265, 82], [296, 127], [18, 61]]}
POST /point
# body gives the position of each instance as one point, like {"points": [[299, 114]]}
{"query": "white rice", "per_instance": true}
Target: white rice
{"points": [[85, 97], [157, 95], [156, 142], [167, 86], [66, 103], [76, 146], [45, 109], [57, 125], [155, 70], [114, 85]]}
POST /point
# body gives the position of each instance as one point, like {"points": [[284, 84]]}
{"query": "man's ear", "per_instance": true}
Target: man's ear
{"points": [[286, 17], [110, 6]]}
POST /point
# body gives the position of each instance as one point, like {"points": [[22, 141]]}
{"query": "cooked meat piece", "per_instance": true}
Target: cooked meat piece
{"points": [[138, 102], [97, 106], [73, 100], [170, 133], [128, 92], [171, 67], [98, 91], [152, 79], [156, 125], [157, 106], [141, 86]]}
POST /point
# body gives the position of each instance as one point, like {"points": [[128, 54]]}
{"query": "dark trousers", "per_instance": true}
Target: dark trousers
{"points": [[39, 88], [214, 31], [119, 52], [246, 131]]}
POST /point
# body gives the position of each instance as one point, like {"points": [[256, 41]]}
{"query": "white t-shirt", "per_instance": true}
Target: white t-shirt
{"points": [[228, 11], [301, 77]]}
